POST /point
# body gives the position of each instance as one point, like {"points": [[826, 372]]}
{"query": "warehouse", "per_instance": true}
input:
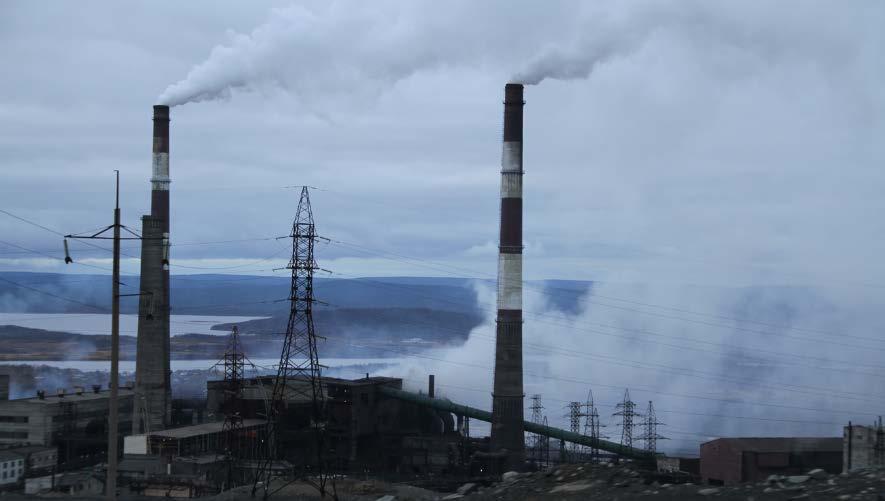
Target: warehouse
{"points": [[726, 461]]}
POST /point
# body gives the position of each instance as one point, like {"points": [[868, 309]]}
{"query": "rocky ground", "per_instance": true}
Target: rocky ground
{"points": [[587, 482], [610, 482], [601, 482]]}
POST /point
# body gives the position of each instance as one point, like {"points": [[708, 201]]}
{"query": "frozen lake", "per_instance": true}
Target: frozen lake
{"points": [[98, 323]]}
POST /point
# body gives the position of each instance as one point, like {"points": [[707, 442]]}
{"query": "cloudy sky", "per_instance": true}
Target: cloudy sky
{"points": [[667, 143], [689, 142]]}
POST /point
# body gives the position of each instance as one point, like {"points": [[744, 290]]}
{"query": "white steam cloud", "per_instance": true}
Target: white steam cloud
{"points": [[344, 49], [341, 49], [778, 372]]}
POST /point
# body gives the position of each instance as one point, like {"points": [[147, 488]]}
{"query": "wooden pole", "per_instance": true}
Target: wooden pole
{"points": [[113, 405]]}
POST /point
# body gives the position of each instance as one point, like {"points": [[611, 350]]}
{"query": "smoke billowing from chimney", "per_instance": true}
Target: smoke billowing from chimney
{"points": [[338, 49]]}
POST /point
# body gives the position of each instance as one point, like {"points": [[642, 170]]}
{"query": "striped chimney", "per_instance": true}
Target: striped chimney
{"points": [[153, 389], [507, 399], [160, 172]]}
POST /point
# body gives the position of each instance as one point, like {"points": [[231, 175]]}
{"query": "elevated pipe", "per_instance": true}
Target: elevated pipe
{"points": [[547, 431]]}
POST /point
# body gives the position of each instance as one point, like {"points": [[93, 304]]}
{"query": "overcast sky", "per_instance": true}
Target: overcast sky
{"points": [[698, 142]]}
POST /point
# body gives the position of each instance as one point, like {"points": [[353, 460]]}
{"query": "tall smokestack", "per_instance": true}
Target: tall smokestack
{"points": [[507, 399], [153, 390]]}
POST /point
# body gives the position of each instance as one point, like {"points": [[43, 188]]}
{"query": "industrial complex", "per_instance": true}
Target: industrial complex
{"points": [[256, 433]]}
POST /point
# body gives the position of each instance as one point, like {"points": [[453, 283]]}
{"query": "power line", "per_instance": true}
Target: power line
{"points": [[102, 309], [25, 249], [612, 406], [591, 383], [528, 284], [442, 267], [536, 315]]}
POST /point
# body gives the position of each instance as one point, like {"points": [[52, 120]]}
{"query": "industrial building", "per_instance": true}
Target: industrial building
{"points": [[196, 440], [733, 460], [73, 483], [74, 421], [12, 468], [39, 460], [366, 430], [863, 447]]}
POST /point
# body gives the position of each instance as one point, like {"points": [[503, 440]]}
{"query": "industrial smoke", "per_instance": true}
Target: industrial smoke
{"points": [[338, 49]]}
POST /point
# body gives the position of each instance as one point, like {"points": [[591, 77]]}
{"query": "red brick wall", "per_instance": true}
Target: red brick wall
{"points": [[720, 463]]}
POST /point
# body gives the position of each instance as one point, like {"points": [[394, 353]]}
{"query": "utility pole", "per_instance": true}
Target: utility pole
{"points": [[113, 414], [879, 445], [113, 402]]}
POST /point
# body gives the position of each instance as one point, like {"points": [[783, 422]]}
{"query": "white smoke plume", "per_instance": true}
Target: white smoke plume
{"points": [[341, 48], [345, 49]]}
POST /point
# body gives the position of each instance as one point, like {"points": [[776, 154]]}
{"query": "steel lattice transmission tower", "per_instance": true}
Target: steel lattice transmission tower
{"points": [[575, 413], [626, 409], [298, 360], [537, 417], [592, 424], [650, 433], [234, 365]]}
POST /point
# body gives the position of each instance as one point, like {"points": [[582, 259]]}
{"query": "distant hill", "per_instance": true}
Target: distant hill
{"points": [[231, 294], [248, 295], [372, 317], [352, 332]]}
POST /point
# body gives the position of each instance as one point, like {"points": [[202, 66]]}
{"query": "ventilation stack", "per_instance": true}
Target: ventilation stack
{"points": [[507, 398], [153, 389]]}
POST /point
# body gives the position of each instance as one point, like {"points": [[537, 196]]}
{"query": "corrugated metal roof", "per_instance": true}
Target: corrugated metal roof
{"points": [[203, 429]]}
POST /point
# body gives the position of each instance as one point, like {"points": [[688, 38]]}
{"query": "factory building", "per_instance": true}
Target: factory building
{"points": [[726, 461], [73, 421], [366, 430]]}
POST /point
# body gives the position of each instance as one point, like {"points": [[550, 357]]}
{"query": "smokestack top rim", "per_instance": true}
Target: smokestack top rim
{"points": [[513, 93], [161, 111]]}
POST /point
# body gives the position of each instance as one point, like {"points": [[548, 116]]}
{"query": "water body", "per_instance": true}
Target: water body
{"points": [[98, 323], [190, 365]]}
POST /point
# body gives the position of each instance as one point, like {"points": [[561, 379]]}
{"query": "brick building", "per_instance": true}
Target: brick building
{"points": [[735, 460]]}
